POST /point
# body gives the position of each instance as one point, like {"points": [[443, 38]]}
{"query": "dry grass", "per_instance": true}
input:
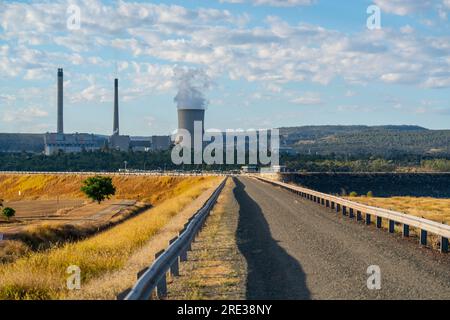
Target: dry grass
{"points": [[433, 209], [215, 270], [11, 250], [50, 234], [43, 275], [41, 235], [111, 284], [49, 186], [429, 208]]}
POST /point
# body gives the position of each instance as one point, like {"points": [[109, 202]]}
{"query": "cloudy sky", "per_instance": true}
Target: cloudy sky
{"points": [[264, 63]]}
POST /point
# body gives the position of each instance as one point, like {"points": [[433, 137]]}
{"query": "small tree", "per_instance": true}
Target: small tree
{"points": [[353, 194], [8, 213], [370, 194], [98, 188]]}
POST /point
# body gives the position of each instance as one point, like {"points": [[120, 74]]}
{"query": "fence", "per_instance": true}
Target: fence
{"points": [[155, 277], [356, 210]]}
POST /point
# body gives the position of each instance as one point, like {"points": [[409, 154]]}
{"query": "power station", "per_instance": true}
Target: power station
{"points": [[187, 119], [79, 142], [68, 143]]}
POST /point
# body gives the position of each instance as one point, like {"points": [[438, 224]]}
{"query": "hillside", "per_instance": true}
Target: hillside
{"points": [[147, 188], [363, 140]]}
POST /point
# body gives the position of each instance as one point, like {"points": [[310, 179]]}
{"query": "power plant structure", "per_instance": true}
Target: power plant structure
{"points": [[68, 143], [60, 94], [77, 142], [116, 141], [186, 121], [116, 107]]}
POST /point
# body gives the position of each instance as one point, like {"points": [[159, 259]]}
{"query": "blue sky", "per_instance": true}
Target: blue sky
{"points": [[263, 63]]}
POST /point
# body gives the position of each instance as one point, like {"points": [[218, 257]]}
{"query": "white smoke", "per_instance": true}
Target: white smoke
{"points": [[191, 84]]}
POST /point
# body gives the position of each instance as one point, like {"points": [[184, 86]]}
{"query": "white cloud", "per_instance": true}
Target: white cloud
{"points": [[7, 98], [273, 53], [23, 115], [274, 3], [309, 98], [403, 7]]}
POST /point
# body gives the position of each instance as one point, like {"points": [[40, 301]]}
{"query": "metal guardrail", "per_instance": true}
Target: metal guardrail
{"points": [[155, 277], [350, 208]]}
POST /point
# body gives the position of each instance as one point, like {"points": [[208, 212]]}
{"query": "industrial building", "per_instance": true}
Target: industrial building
{"points": [[68, 143], [71, 143], [78, 142]]}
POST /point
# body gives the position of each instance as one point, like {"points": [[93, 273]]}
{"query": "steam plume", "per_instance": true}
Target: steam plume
{"points": [[191, 84]]}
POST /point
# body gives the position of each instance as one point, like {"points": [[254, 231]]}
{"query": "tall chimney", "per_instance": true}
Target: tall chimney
{"points": [[60, 101], [116, 107]]}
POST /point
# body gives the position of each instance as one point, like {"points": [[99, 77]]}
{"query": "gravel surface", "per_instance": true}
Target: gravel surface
{"points": [[296, 249]]}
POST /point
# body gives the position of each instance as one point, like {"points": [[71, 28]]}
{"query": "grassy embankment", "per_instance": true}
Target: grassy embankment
{"points": [[42, 275], [433, 209], [149, 190], [429, 208], [33, 187]]}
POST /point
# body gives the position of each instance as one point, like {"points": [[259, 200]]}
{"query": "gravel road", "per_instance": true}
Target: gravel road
{"points": [[296, 249]]}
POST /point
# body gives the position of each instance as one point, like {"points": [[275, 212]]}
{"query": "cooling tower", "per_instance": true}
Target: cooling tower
{"points": [[60, 124], [116, 107], [187, 117]]}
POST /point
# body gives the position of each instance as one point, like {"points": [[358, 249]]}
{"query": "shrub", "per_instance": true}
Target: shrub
{"points": [[353, 194], [370, 194], [8, 212]]}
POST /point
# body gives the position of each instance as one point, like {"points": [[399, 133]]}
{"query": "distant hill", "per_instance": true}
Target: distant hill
{"points": [[363, 140], [382, 141]]}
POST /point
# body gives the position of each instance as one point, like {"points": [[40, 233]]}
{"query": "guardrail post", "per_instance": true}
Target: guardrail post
{"points": [[183, 256], [379, 222], [323, 202], [327, 203], [351, 214], [423, 237], [358, 216], [161, 287], [333, 205], [444, 245], [368, 219], [174, 268], [391, 226], [338, 207], [344, 210], [405, 230]]}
